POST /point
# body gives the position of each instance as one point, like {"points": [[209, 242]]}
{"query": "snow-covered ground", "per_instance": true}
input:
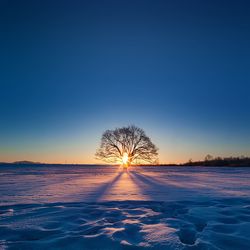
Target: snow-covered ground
{"points": [[95, 207]]}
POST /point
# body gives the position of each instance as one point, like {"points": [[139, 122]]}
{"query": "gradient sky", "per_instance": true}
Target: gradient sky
{"points": [[71, 69]]}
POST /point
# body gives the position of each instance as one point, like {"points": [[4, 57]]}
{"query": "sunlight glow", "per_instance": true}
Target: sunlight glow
{"points": [[125, 159]]}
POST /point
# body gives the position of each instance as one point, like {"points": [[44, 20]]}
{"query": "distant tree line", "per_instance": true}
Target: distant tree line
{"points": [[209, 160]]}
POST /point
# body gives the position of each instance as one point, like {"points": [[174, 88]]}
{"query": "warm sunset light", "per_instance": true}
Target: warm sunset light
{"points": [[127, 145], [125, 125], [125, 159]]}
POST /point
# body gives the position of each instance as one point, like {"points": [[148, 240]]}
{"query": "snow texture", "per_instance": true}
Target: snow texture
{"points": [[102, 207]]}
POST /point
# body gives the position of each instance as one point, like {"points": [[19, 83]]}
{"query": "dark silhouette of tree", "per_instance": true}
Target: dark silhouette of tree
{"points": [[127, 145], [208, 157], [241, 161]]}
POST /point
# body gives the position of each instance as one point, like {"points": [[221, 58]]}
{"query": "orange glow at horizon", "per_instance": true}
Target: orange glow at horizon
{"points": [[125, 159]]}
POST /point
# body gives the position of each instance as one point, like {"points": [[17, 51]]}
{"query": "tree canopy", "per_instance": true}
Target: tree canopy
{"points": [[127, 145]]}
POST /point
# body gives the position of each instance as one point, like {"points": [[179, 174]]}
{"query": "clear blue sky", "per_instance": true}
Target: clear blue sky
{"points": [[71, 69]]}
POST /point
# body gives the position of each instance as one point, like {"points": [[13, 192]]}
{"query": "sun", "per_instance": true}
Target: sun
{"points": [[125, 159]]}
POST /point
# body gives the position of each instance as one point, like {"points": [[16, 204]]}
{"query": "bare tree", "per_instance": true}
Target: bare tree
{"points": [[208, 157], [127, 145]]}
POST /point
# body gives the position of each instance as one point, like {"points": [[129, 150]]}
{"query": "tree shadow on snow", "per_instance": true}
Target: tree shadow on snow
{"points": [[151, 186], [141, 180], [101, 191]]}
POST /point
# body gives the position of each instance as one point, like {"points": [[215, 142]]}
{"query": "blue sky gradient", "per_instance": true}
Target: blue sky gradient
{"points": [[71, 69]]}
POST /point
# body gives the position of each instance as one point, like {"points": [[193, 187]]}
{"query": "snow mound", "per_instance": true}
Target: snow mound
{"points": [[217, 224]]}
